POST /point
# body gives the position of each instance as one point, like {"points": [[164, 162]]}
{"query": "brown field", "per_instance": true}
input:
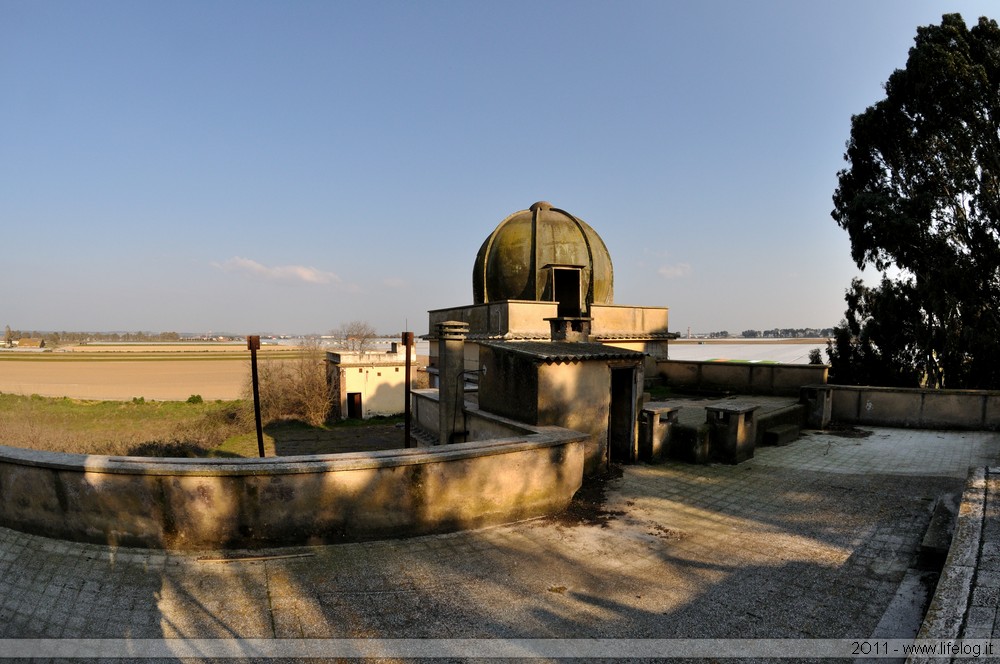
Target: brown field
{"points": [[121, 373]]}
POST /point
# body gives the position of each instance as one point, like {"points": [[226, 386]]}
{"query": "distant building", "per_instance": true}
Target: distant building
{"points": [[367, 384], [30, 343]]}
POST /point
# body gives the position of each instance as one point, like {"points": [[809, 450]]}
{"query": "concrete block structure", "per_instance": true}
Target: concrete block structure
{"points": [[366, 384], [586, 387], [544, 340]]}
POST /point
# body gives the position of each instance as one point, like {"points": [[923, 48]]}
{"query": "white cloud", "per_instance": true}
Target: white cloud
{"points": [[309, 275], [674, 271]]}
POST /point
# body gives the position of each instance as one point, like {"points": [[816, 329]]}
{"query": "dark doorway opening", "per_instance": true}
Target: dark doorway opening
{"points": [[621, 419], [354, 405], [566, 292]]}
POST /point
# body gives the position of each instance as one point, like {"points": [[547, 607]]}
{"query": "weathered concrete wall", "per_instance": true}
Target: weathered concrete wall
{"points": [[623, 319], [198, 504], [481, 425], [615, 325], [745, 378], [916, 408], [577, 395], [513, 318], [508, 385], [574, 395]]}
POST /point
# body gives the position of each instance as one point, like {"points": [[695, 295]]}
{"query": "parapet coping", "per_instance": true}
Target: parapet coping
{"points": [[905, 390], [542, 437], [752, 364]]}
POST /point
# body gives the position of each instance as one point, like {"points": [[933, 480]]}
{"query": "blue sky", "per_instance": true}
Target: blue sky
{"points": [[289, 166]]}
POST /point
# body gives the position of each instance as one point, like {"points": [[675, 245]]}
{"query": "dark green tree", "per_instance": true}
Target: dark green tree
{"points": [[920, 199]]}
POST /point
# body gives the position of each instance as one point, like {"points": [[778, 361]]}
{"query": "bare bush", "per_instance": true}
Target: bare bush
{"points": [[294, 389]]}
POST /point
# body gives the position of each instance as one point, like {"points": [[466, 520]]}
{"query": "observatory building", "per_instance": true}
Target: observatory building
{"points": [[543, 342], [544, 274]]}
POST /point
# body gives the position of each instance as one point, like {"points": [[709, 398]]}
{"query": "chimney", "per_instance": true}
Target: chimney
{"points": [[451, 380]]}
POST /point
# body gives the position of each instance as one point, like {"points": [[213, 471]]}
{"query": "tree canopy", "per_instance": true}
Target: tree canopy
{"points": [[920, 199]]}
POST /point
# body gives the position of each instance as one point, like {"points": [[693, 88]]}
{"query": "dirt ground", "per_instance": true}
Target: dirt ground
{"points": [[122, 373], [122, 380]]}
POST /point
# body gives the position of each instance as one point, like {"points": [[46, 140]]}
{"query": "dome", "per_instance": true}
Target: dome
{"points": [[543, 254]]}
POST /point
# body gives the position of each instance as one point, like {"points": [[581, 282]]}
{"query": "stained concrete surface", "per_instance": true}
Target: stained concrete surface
{"points": [[810, 540]]}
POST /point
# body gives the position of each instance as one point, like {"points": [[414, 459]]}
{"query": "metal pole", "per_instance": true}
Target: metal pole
{"points": [[253, 343], [407, 344]]}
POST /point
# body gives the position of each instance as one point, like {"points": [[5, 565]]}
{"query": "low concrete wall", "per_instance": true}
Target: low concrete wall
{"points": [[742, 377], [199, 504], [479, 425], [916, 408]]}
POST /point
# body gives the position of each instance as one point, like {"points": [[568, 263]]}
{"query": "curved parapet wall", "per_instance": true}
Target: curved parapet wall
{"points": [[199, 504]]}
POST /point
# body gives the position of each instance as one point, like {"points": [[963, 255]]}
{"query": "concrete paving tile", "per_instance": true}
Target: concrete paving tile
{"points": [[981, 616], [985, 596], [285, 624], [742, 532]]}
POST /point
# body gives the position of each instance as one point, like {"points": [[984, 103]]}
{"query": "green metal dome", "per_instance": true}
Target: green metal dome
{"points": [[523, 256]]}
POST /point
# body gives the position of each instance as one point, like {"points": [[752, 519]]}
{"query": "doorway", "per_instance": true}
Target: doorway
{"points": [[354, 406], [566, 292], [621, 417]]}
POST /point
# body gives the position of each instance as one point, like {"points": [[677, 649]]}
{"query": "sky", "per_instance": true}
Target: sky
{"points": [[286, 167]]}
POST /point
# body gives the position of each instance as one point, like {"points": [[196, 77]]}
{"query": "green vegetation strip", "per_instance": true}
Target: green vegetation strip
{"points": [[192, 428]]}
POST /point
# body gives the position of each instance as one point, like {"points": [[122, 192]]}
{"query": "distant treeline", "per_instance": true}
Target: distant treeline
{"points": [[56, 338], [778, 333]]}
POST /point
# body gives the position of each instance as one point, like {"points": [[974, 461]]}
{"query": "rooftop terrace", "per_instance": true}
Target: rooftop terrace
{"points": [[810, 540]]}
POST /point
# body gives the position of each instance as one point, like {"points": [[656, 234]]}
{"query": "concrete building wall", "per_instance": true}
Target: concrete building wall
{"points": [[577, 396], [574, 395], [382, 389], [623, 326], [499, 318], [380, 379], [509, 386], [622, 319]]}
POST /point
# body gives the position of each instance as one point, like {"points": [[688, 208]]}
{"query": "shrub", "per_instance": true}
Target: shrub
{"points": [[293, 389], [195, 398]]}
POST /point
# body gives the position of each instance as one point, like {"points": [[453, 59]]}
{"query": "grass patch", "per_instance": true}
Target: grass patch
{"points": [[137, 427], [192, 428]]}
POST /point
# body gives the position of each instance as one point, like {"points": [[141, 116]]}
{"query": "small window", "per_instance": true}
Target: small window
{"points": [[379, 373], [397, 369], [360, 370]]}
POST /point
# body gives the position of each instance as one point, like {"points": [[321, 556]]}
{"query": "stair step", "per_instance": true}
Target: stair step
{"points": [[783, 434], [937, 540], [422, 437]]}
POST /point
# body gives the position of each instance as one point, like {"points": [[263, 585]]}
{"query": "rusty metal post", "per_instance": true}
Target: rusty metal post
{"points": [[407, 344], [253, 344]]}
